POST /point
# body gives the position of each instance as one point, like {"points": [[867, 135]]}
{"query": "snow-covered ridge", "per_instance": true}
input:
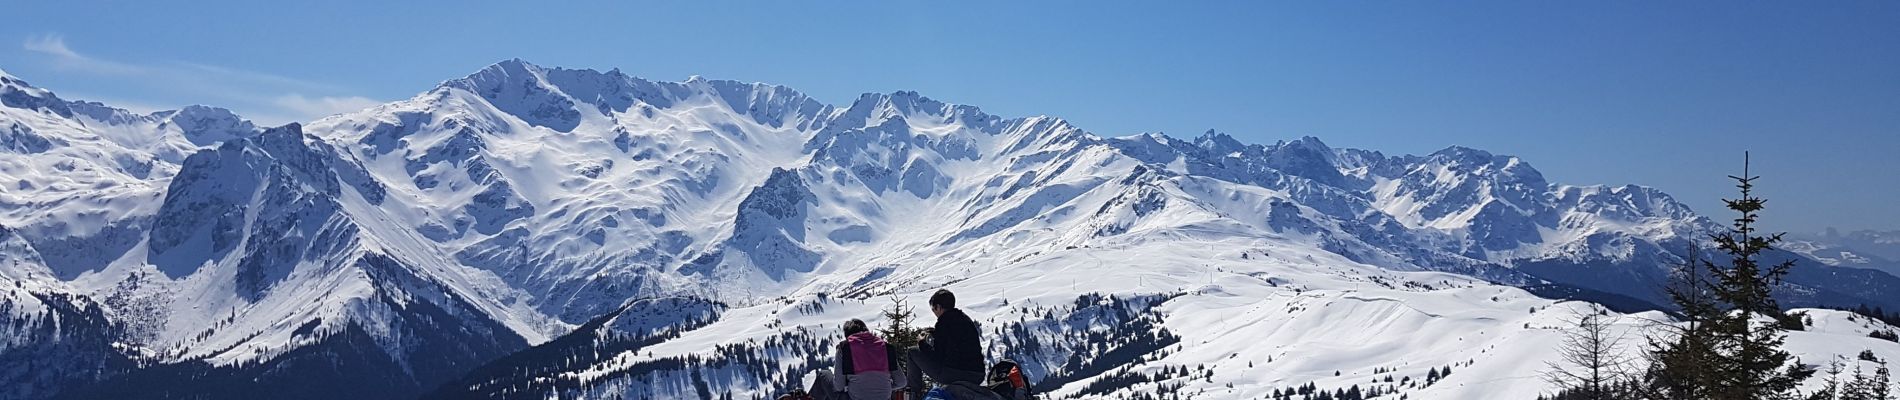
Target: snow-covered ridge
{"points": [[509, 207]]}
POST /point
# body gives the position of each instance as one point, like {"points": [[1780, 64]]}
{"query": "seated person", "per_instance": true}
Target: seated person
{"points": [[863, 368]]}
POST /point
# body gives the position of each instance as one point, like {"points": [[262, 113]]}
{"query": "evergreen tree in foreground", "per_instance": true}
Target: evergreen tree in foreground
{"points": [[1723, 352], [1860, 386], [1681, 363], [898, 330]]}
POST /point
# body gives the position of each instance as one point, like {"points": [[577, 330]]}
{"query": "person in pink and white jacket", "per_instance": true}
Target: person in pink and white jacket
{"points": [[865, 368]]}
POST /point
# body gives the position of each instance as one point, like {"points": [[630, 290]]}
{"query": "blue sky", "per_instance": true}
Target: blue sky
{"points": [[1666, 94]]}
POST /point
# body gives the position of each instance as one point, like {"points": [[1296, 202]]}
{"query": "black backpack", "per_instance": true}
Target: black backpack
{"points": [[796, 394]]}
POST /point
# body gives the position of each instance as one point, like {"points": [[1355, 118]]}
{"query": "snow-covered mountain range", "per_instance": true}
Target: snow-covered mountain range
{"points": [[533, 232], [1869, 249]]}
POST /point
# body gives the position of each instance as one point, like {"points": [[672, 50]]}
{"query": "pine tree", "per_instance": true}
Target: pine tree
{"points": [[1831, 385], [1881, 389], [1752, 364], [1681, 362], [899, 332], [1861, 387], [1721, 354]]}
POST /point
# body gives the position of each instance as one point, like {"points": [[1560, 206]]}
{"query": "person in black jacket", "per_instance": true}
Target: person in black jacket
{"points": [[950, 352]]}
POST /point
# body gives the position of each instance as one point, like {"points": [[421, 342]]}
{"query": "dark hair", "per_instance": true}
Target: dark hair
{"points": [[944, 299], [854, 326]]}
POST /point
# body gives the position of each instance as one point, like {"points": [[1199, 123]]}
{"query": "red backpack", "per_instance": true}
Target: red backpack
{"points": [[1006, 379]]}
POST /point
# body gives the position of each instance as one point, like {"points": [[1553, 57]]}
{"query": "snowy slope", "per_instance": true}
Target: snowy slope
{"points": [[631, 227], [1212, 317], [77, 177]]}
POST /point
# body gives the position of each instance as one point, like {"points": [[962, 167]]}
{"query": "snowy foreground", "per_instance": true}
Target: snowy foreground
{"points": [[1258, 315]]}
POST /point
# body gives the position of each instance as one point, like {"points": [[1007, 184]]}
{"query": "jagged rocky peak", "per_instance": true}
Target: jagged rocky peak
{"points": [[510, 72], [204, 125], [780, 197], [873, 108], [518, 76], [771, 224], [18, 138], [1308, 158], [521, 89], [1470, 175], [1626, 202], [10, 82], [556, 98], [16, 93], [1306, 144], [767, 104], [108, 114], [910, 102], [608, 92], [1219, 144], [271, 200], [1470, 161]]}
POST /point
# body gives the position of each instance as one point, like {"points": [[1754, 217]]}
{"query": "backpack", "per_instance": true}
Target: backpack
{"points": [[796, 394], [938, 394], [868, 353], [963, 391], [1006, 379]]}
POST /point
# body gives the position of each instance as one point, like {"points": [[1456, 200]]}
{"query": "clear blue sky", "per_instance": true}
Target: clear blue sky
{"points": [[1666, 94]]}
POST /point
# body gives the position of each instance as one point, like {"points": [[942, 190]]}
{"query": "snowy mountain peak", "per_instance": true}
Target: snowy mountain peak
{"points": [[1482, 164], [1219, 143], [1309, 158], [510, 71], [110, 115], [563, 99], [1470, 157], [8, 80], [1308, 142], [204, 125], [905, 104], [16, 93], [522, 89]]}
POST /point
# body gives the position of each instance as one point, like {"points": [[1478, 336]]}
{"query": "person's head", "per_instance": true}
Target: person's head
{"points": [[942, 301], [855, 326]]}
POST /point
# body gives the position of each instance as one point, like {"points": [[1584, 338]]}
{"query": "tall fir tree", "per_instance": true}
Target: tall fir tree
{"points": [[1752, 365], [1830, 383], [1881, 388], [1724, 352], [1681, 362], [899, 331], [1861, 386]]}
